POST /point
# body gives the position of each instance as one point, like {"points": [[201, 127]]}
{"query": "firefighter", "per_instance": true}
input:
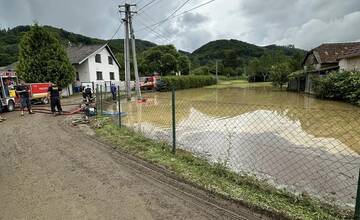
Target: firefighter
{"points": [[87, 94], [113, 91], [24, 92], [54, 92]]}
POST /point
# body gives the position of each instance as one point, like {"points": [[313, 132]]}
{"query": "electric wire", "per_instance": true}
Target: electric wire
{"points": [[156, 33], [175, 16], [147, 5], [176, 10]]}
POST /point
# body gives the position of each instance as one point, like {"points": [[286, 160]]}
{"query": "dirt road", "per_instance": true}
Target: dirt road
{"points": [[51, 171]]}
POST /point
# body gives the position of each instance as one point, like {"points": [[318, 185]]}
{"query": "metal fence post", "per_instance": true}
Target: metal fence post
{"points": [[101, 101], [357, 205], [105, 95], [173, 120], [96, 99], [119, 106]]}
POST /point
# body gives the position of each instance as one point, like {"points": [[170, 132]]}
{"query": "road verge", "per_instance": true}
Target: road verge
{"points": [[217, 179]]}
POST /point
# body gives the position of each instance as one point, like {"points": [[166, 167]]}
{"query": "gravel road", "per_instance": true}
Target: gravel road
{"points": [[49, 170]]}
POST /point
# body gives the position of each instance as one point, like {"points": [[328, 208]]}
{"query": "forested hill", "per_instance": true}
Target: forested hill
{"points": [[239, 51], [10, 39], [232, 53]]}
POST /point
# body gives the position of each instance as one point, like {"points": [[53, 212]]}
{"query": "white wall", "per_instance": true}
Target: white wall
{"points": [[104, 67], [67, 91], [87, 70], [84, 74], [350, 63]]}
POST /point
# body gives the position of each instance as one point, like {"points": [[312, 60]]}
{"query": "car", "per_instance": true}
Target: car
{"points": [[161, 85]]}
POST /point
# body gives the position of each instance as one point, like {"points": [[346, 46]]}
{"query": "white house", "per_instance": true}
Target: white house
{"points": [[94, 65]]}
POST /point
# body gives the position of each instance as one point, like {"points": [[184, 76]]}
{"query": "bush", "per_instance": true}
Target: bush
{"points": [[340, 85], [187, 82], [204, 70]]}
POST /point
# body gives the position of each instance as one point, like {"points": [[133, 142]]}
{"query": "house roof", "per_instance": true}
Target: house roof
{"points": [[11, 67], [354, 52], [330, 52], [79, 54]]}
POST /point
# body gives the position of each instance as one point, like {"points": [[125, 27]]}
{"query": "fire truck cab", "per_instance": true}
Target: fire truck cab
{"points": [[8, 83]]}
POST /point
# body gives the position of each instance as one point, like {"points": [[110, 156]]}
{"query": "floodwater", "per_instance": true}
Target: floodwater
{"points": [[293, 141]]}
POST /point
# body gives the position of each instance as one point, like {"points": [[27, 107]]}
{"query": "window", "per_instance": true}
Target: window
{"points": [[110, 60], [77, 76], [98, 58], [112, 76], [99, 75]]}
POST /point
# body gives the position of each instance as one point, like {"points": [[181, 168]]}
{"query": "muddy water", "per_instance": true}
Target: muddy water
{"points": [[293, 141]]}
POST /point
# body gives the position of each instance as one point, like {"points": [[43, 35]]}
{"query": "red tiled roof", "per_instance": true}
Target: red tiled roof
{"points": [[331, 52]]}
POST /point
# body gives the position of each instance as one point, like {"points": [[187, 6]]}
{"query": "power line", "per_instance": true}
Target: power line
{"points": [[147, 5], [175, 16], [152, 30], [117, 30], [160, 35], [177, 9]]}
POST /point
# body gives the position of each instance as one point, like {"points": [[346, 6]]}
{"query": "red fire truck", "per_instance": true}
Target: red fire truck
{"points": [[8, 97], [148, 82]]}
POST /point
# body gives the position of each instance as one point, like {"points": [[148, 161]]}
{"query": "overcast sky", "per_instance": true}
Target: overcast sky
{"points": [[304, 23]]}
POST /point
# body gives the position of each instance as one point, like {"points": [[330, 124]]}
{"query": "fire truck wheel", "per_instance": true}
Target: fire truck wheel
{"points": [[11, 106]]}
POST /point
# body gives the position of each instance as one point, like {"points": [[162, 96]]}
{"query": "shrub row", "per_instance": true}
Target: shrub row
{"points": [[187, 82], [340, 85]]}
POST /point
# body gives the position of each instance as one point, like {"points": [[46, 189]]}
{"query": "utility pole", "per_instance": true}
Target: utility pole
{"points": [[126, 48], [136, 72]]}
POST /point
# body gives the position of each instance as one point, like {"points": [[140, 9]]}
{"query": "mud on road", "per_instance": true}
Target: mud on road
{"points": [[50, 170]]}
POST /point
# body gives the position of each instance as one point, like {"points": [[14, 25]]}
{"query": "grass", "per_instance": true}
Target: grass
{"points": [[239, 84], [217, 178]]}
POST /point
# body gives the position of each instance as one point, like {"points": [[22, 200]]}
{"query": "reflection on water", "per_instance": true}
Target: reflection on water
{"points": [[292, 140]]}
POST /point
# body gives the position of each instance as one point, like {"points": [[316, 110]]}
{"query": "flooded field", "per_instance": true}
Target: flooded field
{"points": [[291, 140]]}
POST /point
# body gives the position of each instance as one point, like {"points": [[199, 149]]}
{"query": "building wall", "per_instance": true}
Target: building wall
{"points": [[350, 63], [103, 67], [84, 74]]}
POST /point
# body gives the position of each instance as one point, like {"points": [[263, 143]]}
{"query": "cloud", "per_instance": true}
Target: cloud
{"points": [[316, 31], [300, 22], [192, 20], [305, 23]]}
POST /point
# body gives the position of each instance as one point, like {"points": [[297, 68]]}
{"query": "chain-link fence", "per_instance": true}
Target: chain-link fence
{"points": [[301, 150]]}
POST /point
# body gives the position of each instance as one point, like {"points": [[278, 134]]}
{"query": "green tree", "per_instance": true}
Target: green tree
{"points": [[253, 69], [230, 59], [168, 64], [43, 59], [164, 59], [296, 62], [279, 74], [203, 70], [184, 62], [228, 71]]}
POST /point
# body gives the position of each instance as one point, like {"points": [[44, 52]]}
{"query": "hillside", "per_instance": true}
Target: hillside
{"points": [[233, 52], [9, 41], [239, 50]]}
